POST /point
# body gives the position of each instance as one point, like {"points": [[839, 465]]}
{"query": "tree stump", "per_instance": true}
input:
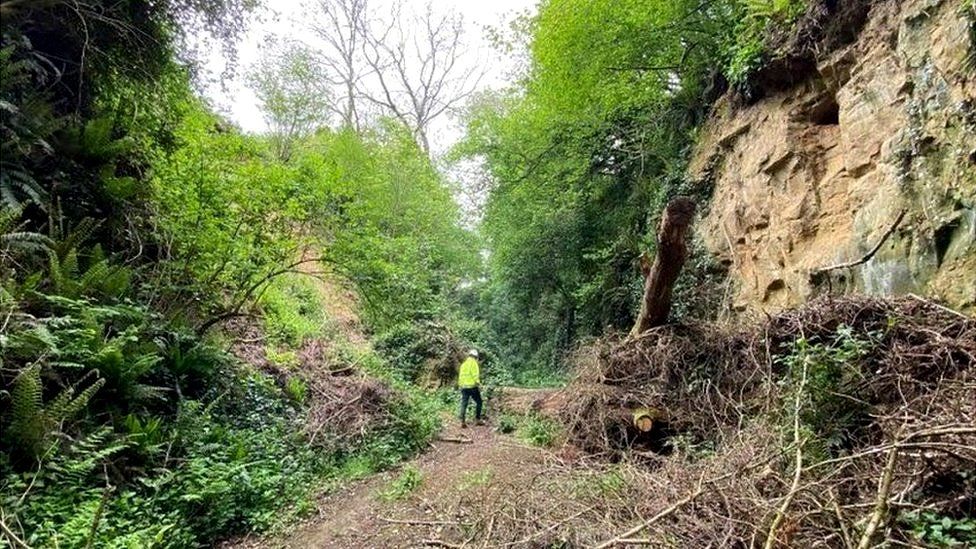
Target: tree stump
{"points": [[672, 251]]}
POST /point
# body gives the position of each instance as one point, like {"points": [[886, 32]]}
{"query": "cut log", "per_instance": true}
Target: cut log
{"points": [[643, 418], [672, 251], [644, 423]]}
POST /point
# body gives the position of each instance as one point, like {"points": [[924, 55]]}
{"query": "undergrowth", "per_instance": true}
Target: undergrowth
{"points": [[532, 428], [403, 485], [123, 429]]}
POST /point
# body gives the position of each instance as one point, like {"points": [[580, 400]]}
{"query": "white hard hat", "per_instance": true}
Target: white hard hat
{"points": [[473, 352]]}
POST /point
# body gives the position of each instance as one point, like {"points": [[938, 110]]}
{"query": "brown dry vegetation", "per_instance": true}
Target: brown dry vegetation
{"points": [[821, 427], [816, 427], [344, 403]]}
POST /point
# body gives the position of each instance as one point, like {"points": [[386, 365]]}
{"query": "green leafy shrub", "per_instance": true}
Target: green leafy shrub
{"points": [[831, 372], [538, 430], [939, 531], [533, 428], [296, 389], [292, 310], [423, 349], [404, 484], [219, 475], [507, 424], [34, 425], [749, 48]]}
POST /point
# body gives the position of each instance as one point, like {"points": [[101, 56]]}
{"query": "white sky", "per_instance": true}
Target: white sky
{"points": [[288, 20]]}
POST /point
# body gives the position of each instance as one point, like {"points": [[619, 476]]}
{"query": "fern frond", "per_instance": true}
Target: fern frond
{"points": [[80, 234], [54, 271], [27, 428], [85, 455], [17, 188], [69, 265], [10, 219], [78, 403], [26, 240], [92, 279], [117, 283]]}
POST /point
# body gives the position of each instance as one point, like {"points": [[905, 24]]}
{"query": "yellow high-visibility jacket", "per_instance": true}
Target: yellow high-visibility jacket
{"points": [[469, 375]]}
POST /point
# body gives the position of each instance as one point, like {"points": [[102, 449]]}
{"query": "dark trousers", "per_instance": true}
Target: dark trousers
{"points": [[474, 394]]}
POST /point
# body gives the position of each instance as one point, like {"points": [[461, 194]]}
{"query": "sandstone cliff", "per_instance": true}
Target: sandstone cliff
{"points": [[816, 173]]}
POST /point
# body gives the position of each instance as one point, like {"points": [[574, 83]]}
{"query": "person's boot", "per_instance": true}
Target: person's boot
{"points": [[479, 422], [464, 425]]}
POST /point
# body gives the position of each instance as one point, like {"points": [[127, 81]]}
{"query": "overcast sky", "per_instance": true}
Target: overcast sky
{"points": [[288, 20]]}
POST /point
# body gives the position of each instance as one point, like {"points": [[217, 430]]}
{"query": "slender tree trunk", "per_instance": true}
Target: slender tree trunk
{"points": [[672, 251]]}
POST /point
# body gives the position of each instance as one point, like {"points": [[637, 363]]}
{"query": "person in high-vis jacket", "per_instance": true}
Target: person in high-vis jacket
{"points": [[469, 381]]}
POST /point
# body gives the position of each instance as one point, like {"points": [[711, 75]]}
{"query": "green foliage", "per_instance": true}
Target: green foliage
{"points": [[600, 484], [133, 220], [296, 389], [292, 310], [392, 225], [293, 89], [538, 430], [403, 485], [587, 149], [533, 428], [829, 407], [759, 18], [27, 122], [423, 351], [475, 479], [939, 531], [33, 423], [507, 424], [228, 479], [238, 219]]}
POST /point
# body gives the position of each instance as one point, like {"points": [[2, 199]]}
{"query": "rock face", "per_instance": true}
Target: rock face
{"points": [[815, 175]]}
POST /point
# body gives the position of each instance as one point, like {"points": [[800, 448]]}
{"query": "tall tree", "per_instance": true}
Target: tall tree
{"points": [[418, 69], [293, 88], [341, 25]]}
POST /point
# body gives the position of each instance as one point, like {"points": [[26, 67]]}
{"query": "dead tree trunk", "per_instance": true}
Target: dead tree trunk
{"points": [[671, 254]]}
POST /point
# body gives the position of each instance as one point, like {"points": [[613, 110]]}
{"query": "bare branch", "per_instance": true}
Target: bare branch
{"points": [[418, 75], [340, 24]]}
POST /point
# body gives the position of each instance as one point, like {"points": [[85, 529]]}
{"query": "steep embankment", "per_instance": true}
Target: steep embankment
{"points": [[815, 173]]}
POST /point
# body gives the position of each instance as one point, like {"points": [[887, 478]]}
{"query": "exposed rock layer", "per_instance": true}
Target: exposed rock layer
{"points": [[815, 175]]}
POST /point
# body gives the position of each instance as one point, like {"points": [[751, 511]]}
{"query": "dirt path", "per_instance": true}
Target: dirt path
{"points": [[457, 480]]}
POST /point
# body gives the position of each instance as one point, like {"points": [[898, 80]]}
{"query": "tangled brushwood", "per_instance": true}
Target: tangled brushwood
{"points": [[850, 423], [846, 423]]}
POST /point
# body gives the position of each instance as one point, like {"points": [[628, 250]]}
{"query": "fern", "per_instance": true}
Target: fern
{"points": [[26, 120], [10, 219], [27, 427], [17, 188], [69, 406], [14, 240], [33, 426], [773, 9], [86, 454], [26, 240], [110, 281], [73, 240]]}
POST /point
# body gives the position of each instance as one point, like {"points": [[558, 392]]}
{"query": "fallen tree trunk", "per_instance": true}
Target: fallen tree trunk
{"points": [[672, 251]]}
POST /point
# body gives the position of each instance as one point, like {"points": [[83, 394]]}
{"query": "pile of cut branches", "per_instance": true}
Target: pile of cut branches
{"points": [[342, 405], [847, 423]]}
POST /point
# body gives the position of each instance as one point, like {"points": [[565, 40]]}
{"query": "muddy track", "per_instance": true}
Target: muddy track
{"points": [[462, 471]]}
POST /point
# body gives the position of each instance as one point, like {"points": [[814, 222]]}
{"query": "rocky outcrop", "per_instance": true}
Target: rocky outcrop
{"points": [[815, 175]]}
